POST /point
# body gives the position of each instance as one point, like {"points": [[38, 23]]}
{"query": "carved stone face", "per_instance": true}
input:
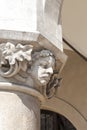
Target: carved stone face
{"points": [[42, 69]]}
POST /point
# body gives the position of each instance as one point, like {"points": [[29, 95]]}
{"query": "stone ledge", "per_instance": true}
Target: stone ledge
{"points": [[20, 88]]}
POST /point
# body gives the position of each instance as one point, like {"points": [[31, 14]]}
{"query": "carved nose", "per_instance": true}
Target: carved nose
{"points": [[49, 70]]}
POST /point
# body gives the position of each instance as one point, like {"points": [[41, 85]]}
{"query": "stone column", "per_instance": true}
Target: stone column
{"points": [[19, 111], [27, 78], [31, 58]]}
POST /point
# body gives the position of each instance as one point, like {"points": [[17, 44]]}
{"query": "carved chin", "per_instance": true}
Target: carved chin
{"points": [[43, 82]]}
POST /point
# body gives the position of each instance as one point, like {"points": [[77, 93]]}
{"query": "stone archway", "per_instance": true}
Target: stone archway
{"points": [[59, 106]]}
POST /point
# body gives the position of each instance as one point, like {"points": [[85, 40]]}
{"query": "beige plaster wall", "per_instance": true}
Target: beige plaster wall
{"points": [[74, 22], [74, 86], [73, 89]]}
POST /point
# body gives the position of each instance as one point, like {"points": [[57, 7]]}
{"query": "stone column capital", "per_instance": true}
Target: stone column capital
{"points": [[35, 71]]}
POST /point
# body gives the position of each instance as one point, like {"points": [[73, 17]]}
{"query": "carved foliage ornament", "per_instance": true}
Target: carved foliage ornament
{"points": [[15, 57], [39, 66]]}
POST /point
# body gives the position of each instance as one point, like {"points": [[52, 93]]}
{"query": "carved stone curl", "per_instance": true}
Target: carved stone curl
{"points": [[35, 69]]}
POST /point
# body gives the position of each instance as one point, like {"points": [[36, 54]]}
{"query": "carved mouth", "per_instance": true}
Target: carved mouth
{"points": [[45, 77]]}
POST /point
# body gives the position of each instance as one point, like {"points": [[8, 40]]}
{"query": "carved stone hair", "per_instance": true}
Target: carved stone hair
{"points": [[43, 53]]}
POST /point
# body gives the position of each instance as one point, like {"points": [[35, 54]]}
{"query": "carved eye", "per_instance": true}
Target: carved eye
{"points": [[45, 66]]}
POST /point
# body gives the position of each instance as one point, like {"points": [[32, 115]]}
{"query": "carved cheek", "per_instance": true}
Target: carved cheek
{"points": [[41, 72]]}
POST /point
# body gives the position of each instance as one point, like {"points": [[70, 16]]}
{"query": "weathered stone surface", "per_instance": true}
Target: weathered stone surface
{"points": [[31, 57], [19, 111], [37, 16], [34, 22]]}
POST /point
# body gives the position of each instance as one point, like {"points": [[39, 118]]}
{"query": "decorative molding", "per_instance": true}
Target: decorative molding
{"points": [[22, 64], [20, 88]]}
